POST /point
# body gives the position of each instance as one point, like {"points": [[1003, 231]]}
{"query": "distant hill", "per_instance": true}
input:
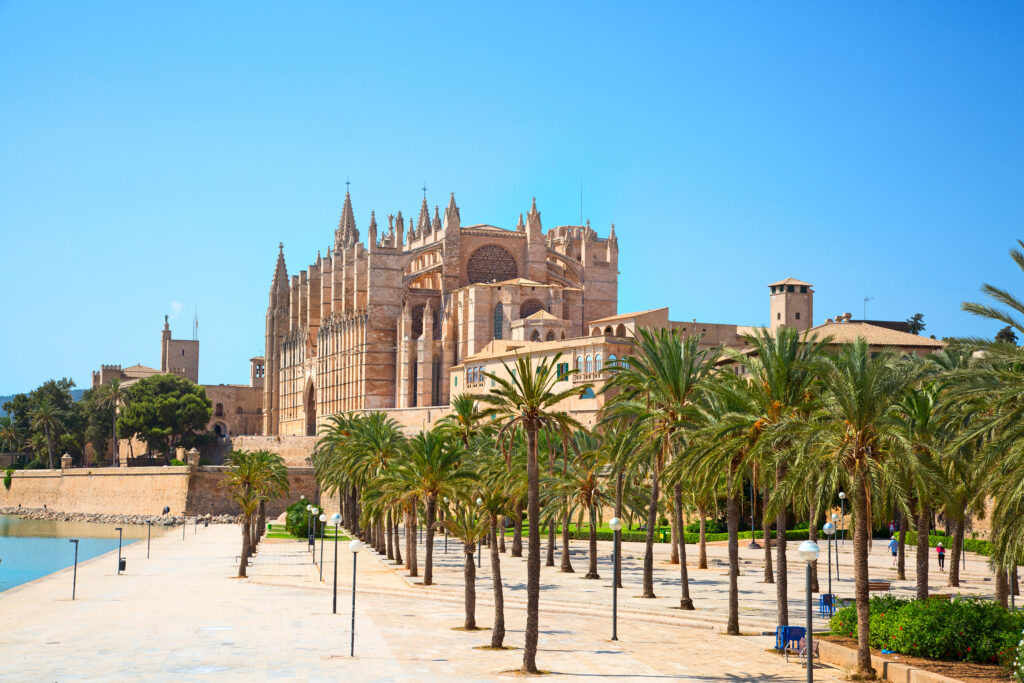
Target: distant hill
{"points": [[76, 394]]}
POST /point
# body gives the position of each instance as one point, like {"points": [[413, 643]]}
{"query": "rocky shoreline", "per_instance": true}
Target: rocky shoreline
{"points": [[159, 520]]}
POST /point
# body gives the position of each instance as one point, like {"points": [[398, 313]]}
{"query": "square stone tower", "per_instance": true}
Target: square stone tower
{"points": [[792, 304]]}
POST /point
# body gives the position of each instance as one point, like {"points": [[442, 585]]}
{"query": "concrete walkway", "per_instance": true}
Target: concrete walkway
{"points": [[182, 616]]}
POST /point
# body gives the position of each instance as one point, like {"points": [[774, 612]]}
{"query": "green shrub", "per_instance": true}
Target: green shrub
{"points": [[711, 526], [176, 463], [973, 545], [297, 519], [36, 465], [1018, 662], [967, 630], [7, 478]]}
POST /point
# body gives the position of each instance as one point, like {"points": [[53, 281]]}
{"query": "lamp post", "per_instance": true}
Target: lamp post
{"points": [[809, 552], [149, 531], [446, 527], [184, 523], [830, 530], [842, 508], [479, 543], [753, 545], [323, 523], [835, 519], [74, 573], [336, 521], [355, 546], [616, 525], [309, 525], [119, 534]]}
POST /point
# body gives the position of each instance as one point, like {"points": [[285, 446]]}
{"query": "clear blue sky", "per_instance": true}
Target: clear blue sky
{"points": [[152, 155]]}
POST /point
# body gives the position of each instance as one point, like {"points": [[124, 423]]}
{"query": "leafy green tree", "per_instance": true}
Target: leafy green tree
{"points": [[165, 411], [915, 323]]}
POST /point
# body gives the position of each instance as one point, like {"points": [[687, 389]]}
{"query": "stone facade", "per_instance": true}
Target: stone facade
{"points": [[382, 326]]}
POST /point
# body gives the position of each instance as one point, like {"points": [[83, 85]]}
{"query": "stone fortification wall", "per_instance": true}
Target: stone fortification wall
{"points": [[415, 420], [140, 490], [130, 491], [294, 449]]}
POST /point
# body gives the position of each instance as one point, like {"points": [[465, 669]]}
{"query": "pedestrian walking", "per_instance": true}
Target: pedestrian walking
{"points": [[894, 547], [942, 557]]}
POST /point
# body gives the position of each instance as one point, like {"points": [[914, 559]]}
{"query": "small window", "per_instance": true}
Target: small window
{"points": [[238, 410], [579, 363], [798, 315], [259, 410], [456, 380], [597, 363], [562, 370], [611, 360], [790, 288], [803, 289], [219, 410], [590, 364], [183, 352]]}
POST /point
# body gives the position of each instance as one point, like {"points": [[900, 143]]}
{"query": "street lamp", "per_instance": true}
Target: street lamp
{"points": [[74, 573], [809, 552], [149, 531], [835, 520], [355, 546], [616, 525], [336, 521], [323, 523], [119, 558], [830, 530], [446, 501], [842, 508]]}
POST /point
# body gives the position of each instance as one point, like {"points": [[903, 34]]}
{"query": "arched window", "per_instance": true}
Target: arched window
{"points": [[590, 363], [597, 363], [611, 360], [219, 410], [499, 321], [535, 337], [259, 410], [238, 410], [491, 263], [551, 336], [596, 332], [587, 393], [417, 320], [579, 363], [620, 331], [608, 330]]}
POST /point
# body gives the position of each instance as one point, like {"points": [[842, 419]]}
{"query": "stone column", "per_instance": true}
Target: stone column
{"points": [[193, 459]]}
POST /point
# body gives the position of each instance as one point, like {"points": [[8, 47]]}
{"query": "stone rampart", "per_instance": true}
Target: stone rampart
{"points": [[295, 450], [140, 490]]}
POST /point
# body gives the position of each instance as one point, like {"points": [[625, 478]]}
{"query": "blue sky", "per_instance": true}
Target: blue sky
{"points": [[152, 155]]}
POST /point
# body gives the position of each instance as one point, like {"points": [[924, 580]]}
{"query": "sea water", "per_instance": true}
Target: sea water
{"points": [[30, 548]]}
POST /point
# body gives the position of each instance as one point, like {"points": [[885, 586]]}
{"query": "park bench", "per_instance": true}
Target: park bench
{"points": [[879, 585], [801, 651]]}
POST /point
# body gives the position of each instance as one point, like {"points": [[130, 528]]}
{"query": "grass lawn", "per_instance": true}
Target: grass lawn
{"points": [[278, 531]]}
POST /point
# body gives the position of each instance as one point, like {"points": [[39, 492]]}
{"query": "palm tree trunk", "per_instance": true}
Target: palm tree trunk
{"points": [[766, 530], [781, 570], [652, 521], [533, 559], [684, 579], [924, 515], [901, 553], [674, 533], [617, 578], [49, 444], [812, 535], [470, 574], [732, 520], [592, 570], [954, 552], [566, 567], [388, 526], [860, 572], [428, 560], [498, 630], [1002, 588], [113, 438], [702, 560], [517, 532], [550, 562], [414, 569], [245, 548], [501, 533], [398, 546]]}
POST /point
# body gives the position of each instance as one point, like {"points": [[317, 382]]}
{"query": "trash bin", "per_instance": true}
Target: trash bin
{"points": [[123, 563]]}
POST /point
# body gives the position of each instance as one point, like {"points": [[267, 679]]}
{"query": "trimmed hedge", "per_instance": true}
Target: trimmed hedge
{"points": [[641, 536], [967, 630], [973, 545]]}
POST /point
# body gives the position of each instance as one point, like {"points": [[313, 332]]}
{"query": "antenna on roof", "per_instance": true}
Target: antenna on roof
{"points": [[866, 300], [195, 325]]}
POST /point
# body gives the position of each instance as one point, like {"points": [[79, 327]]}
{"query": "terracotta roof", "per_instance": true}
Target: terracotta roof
{"points": [[139, 370], [791, 281], [624, 316], [542, 315], [844, 333]]}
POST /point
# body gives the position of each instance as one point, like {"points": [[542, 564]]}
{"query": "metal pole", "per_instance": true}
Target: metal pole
{"points": [[352, 647], [479, 552], [322, 552], [119, 534], [334, 606], [615, 588], [74, 573], [313, 539], [830, 567], [184, 523], [810, 626], [149, 531], [842, 528], [837, 560]]}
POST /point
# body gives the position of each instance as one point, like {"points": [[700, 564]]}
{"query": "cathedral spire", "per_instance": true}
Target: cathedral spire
{"points": [[423, 224], [371, 232], [611, 235], [346, 235], [520, 226], [281, 271], [451, 214], [437, 219]]}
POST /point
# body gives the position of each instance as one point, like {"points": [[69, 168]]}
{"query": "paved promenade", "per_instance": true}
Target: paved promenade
{"points": [[182, 616]]}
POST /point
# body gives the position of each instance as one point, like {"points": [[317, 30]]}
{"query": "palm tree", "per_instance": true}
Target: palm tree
{"points": [[858, 445], [525, 400], [469, 527], [464, 422], [497, 489], [47, 417], [114, 395], [657, 389], [254, 476], [10, 436], [433, 467]]}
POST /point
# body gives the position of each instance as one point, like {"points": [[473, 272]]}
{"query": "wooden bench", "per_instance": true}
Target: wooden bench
{"points": [[883, 586]]}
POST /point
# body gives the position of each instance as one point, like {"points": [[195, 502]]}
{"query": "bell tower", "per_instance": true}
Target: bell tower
{"points": [[792, 304]]}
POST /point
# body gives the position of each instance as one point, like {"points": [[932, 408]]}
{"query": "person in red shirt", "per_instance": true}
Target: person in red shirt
{"points": [[942, 557]]}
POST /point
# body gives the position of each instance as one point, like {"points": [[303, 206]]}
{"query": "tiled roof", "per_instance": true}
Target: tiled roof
{"points": [[542, 315], [791, 281], [845, 333], [624, 316]]}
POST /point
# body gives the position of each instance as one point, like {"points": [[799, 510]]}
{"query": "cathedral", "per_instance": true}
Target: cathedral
{"points": [[382, 326]]}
